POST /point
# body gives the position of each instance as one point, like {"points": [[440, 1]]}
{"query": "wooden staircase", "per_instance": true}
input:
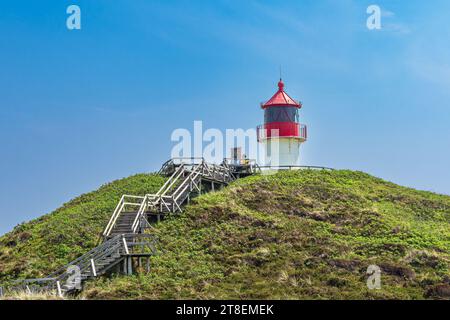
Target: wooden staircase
{"points": [[187, 178], [116, 253], [123, 237], [124, 223]]}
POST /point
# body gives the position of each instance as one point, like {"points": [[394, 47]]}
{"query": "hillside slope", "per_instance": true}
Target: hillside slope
{"points": [[293, 235], [37, 248]]}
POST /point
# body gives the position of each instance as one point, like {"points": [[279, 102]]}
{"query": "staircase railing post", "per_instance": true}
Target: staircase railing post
{"points": [[173, 204], [28, 290], [125, 267], [129, 266], [58, 286], [94, 271], [125, 245]]}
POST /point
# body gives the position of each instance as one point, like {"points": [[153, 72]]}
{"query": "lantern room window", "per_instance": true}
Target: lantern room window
{"points": [[281, 114]]}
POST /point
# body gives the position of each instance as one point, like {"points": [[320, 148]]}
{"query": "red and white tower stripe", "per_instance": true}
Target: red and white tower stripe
{"points": [[281, 132]]}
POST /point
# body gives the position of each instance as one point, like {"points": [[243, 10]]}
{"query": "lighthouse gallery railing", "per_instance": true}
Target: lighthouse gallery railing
{"points": [[280, 129]]}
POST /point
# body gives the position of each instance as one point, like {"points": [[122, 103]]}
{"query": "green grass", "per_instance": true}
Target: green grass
{"points": [[293, 235], [37, 248]]}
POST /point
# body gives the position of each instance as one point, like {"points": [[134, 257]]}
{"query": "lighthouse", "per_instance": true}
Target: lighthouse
{"points": [[281, 134]]}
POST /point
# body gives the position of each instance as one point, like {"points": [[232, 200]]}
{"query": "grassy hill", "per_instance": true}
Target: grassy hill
{"points": [[293, 235], [37, 248]]}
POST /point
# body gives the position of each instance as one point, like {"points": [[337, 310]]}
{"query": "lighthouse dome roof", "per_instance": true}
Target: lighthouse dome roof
{"points": [[281, 98]]}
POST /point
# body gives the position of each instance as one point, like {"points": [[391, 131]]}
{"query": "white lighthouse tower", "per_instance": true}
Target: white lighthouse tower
{"points": [[281, 133]]}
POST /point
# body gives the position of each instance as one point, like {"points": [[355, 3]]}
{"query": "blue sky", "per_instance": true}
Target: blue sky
{"points": [[81, 108]]}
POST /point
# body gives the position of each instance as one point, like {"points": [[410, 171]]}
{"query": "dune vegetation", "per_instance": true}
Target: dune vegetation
{"points": [[292, 235]]}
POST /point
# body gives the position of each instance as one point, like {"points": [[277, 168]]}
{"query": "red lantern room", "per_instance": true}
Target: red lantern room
{"points": [[281, 113]]}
